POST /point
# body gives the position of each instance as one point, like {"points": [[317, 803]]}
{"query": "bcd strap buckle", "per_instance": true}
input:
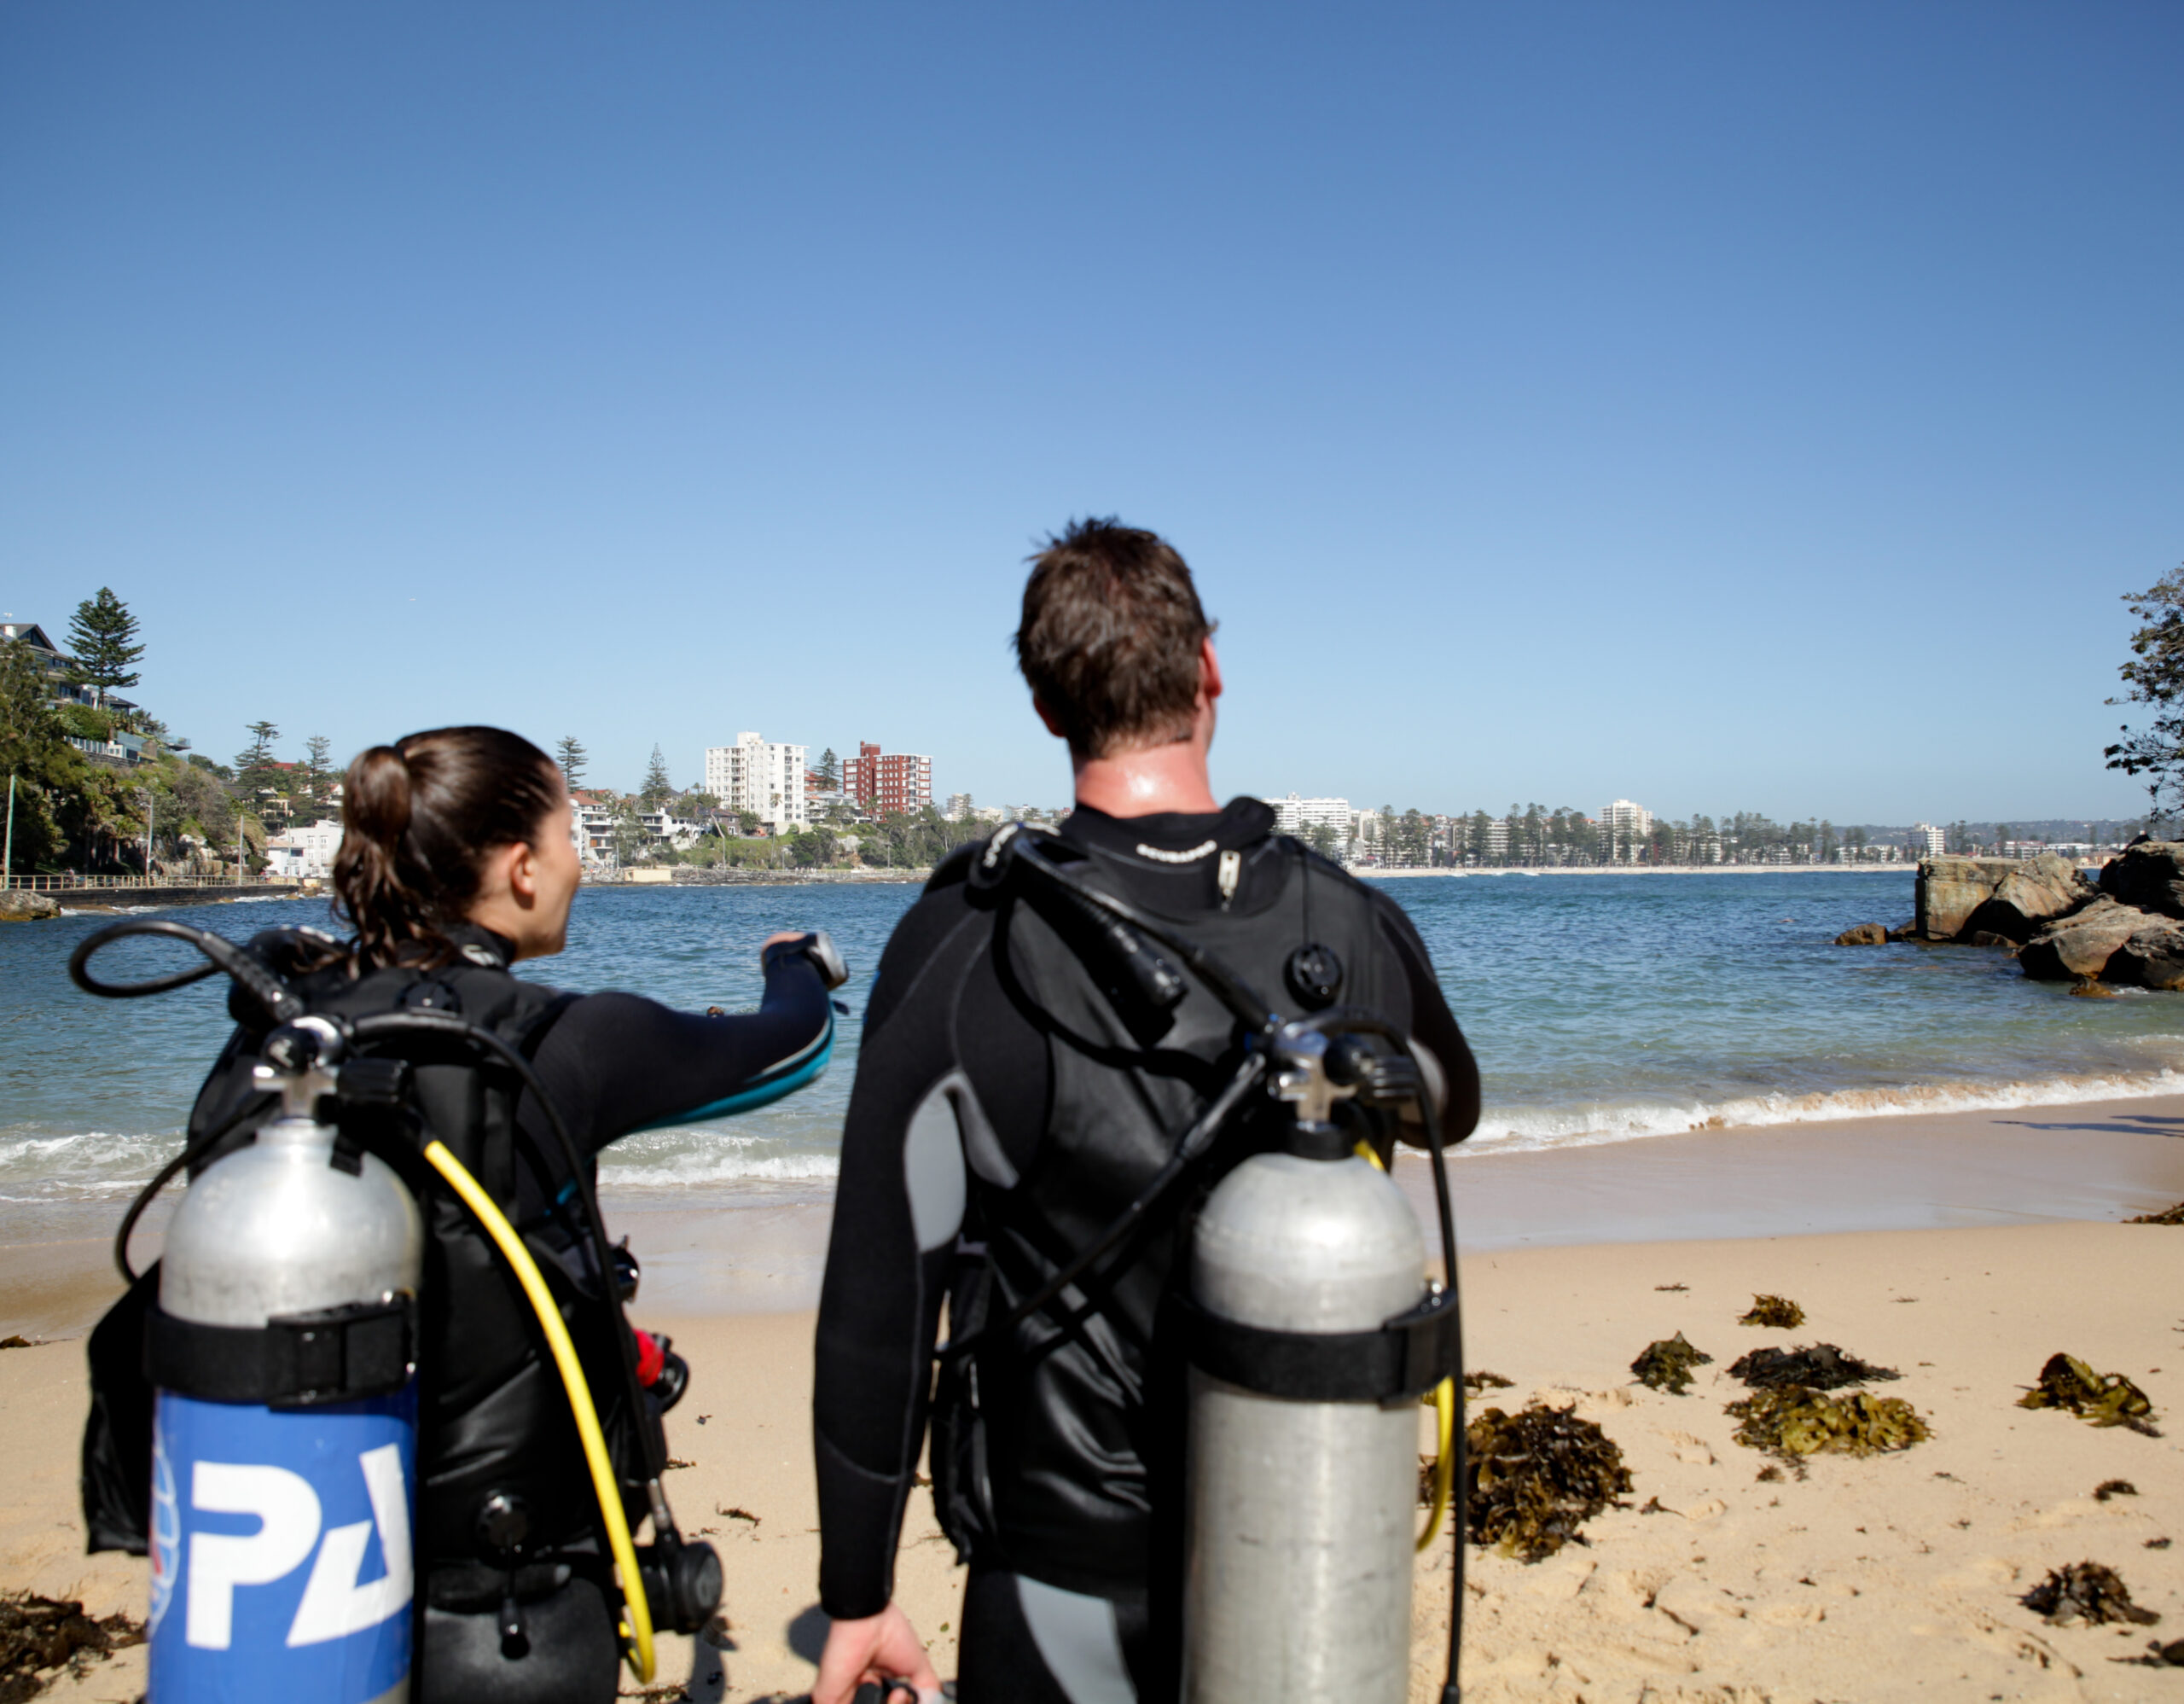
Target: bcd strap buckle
{"points": [[1404, 1357], [295, 1360]]}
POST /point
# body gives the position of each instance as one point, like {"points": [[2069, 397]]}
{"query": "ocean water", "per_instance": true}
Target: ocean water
{"points": [[1601, 1008]]}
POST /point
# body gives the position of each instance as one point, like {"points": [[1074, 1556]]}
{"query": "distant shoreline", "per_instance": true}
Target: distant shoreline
{"points": [[1658, 869]]}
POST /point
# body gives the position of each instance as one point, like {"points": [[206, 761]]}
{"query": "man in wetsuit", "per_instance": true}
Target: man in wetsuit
{"points": [[1004, 1111]]}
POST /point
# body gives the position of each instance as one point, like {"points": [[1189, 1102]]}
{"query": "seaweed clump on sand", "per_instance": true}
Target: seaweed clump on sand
{"points": [[2167, 1216], [1484, 1381], [1790, 1421], [1666, 1365], [1776, 1310], [39, 1636], [1822, 1367], [2104, 1398], [1535, 1477], [2085, 1591]]}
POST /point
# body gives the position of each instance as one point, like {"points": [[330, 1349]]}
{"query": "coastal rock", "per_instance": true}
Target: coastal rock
{"points": [[19, 905], [1906, 932], [1989, 937], [1865, 934], [2150, 875], [2153, 957], [1950, 889], [2035, 892], [2082, 945]]}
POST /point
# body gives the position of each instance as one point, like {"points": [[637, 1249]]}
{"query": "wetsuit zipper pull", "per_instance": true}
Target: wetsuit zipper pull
{"points": [[1232, 874]]}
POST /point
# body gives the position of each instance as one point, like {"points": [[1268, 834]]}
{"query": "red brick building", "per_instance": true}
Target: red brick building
{"points": [[888, 783]]}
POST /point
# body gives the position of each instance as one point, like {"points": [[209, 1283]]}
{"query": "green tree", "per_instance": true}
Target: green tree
{"points": [[657, 789], [318, 774], [2154, 677], [569, 753], [1323, 841], [101, 633], [829, 770], [35, 751], [1414, 838], [259, 751]]}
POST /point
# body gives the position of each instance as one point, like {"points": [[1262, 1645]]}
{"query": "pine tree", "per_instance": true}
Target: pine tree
{"points": [[317, 774], [99, 633], [829, 770], [657, 789], [569, 753], [260, 753]]}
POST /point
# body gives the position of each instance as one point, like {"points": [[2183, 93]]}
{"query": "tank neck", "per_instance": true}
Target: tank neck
{"points": [[1310, 1140], [294, 1130]]}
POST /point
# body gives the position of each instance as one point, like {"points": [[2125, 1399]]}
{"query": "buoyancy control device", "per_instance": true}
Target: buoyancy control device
{"points": [[288, 1541], [1312, 1328]]}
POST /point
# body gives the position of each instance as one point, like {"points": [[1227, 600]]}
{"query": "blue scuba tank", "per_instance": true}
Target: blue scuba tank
{"points": [[285, 1433]]}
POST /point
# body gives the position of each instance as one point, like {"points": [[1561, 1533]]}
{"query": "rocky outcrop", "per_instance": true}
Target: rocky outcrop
{"points": [[2082, 945], [1865, 934], [19, 905], [2153, 957], [1950, 889], [2037, 891], [2149, 875]]}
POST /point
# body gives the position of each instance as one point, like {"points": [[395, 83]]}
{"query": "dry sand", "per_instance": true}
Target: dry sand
{"points": [[1875, 1580]]}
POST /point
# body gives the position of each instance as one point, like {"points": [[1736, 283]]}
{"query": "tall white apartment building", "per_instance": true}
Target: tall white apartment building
{"points": [[762, 776], [1299, 816], [1631, 821], [1927, 840]]}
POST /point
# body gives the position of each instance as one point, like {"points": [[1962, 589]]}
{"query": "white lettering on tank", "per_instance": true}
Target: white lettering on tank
{"points": [[334, 1606], [287, 1509]]}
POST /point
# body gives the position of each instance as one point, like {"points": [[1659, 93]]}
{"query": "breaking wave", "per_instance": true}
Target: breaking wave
{"points": [[1581, 1126]]}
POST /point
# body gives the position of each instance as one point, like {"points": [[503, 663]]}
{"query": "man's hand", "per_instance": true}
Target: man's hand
{"points": [[780, 935], [880, 1647]]}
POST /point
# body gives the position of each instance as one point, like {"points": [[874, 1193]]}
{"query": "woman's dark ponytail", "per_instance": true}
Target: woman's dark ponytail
{"points": [[418, 818]]}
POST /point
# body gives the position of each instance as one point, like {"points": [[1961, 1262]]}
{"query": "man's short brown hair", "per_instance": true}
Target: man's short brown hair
{"points": [[1111, 636]]}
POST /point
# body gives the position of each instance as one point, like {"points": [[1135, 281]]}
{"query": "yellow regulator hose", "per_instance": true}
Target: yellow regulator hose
{"points": [[1444, 1468], [1445, 1403], [638, 1627]]}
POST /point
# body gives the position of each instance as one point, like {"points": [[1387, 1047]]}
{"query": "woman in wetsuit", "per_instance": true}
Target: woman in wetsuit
{"points": [[457, 862]]}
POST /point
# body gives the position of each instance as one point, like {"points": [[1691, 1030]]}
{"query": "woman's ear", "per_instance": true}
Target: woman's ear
{"points": [[520, 871]]}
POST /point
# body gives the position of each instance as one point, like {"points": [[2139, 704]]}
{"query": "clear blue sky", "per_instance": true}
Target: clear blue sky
{"points": [[1726, 406]]}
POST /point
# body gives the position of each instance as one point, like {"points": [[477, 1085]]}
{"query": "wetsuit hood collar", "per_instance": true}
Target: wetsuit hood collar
{"points": [[1172, 837], [478, 946]]}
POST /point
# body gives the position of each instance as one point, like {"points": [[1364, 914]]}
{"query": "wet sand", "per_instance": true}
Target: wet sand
{"points": [[2100, 1161]]}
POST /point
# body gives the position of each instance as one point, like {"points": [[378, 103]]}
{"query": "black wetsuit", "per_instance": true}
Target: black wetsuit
{"points": [[957, 1049]]}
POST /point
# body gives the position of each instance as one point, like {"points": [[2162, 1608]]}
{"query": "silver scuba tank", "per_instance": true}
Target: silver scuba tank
{"points": [[284, 1463], [1301, 1512]]}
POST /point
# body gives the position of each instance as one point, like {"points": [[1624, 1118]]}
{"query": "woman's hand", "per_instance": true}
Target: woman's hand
{"points": [[880, 1647]]}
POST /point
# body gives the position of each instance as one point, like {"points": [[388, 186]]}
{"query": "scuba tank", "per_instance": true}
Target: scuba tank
{"points": [[1298, 1534], [1307, 1318], [283, 1349]]}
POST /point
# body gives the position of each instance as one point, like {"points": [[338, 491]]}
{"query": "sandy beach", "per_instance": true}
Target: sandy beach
{"points": [[1961, 1249]]}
